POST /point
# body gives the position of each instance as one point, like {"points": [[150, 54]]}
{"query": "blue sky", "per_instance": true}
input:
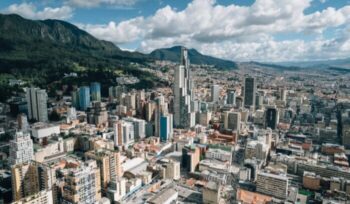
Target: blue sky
{"points": [[242, 30]]}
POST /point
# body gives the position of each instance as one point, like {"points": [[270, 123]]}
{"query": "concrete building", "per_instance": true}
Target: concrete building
{"points": [[171, 170], [44, 130], [211, 193], [37, 104], [22, 122], [232, 121], [311, 181], [215, 93], [231, 97], [190, 157], [123, 133], [82, 184], [97, 114], [30, 178], [139, 127], [272, 183], [21, 149], [219, 154], [42, 197], [166, 196], [109, 163]]}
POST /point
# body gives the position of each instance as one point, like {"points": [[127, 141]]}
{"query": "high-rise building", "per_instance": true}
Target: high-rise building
{"points": [[166, 127], [82, 184], [109, 163], [21, 148], [271, 117], [233, 121], [215, 93], [139, 127], [183, 118], [30, 178], [259, 100], [249, 92], [95, 89], [190, 157], [272, 183], [231, 97], [37, 104], [84, 98], [283, 94], [172, 170], [22, 122], [130, 100], [75, 99], [97, 114], [123, 133]]}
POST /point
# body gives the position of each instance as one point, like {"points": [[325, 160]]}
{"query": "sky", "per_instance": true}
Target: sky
{"points": [[239, 30]]}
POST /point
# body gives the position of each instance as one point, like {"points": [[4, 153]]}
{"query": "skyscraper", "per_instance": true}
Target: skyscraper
{"points": [[233, 121], [183, 93], [95, 89], [84, 97], [109, 163], [271, 117], [215, 92], [166, 127], [231, 97], [30, 178], [37, 104], [22, 122], [82, 184], [249, 92], [21, 148]]}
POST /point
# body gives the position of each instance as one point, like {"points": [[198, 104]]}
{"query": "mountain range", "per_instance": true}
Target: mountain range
{"points": [[26, 41], [174, 54]]}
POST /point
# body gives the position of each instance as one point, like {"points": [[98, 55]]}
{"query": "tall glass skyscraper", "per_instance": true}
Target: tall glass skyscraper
{"points": [[95, 89], [183, 117], [249, 92], [84, 97]]}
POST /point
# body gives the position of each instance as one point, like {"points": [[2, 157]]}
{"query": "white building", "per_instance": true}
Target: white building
{"points": [[42, 130], [21, 148], [215, 92], [272, 183], [183, 118], [219, 155]]}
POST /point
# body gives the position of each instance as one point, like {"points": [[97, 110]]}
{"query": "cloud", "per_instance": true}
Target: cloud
{"points": [[29, 10], [96, 3], [235, 32]]}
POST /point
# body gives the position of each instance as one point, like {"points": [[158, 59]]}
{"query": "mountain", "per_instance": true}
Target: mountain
{"points": [[42, 51], [174, 54], [342, 63]]}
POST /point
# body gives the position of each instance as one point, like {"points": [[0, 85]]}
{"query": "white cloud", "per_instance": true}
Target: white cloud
{"points": [[29, 10], [96, 3], [235, 32]]}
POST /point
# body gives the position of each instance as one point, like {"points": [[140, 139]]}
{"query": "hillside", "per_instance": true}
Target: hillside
{"points": [[174, 53], [41, 52]]}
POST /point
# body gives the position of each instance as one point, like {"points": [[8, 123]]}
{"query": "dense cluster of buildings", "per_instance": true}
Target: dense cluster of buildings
{"points": [[244, 136]]}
